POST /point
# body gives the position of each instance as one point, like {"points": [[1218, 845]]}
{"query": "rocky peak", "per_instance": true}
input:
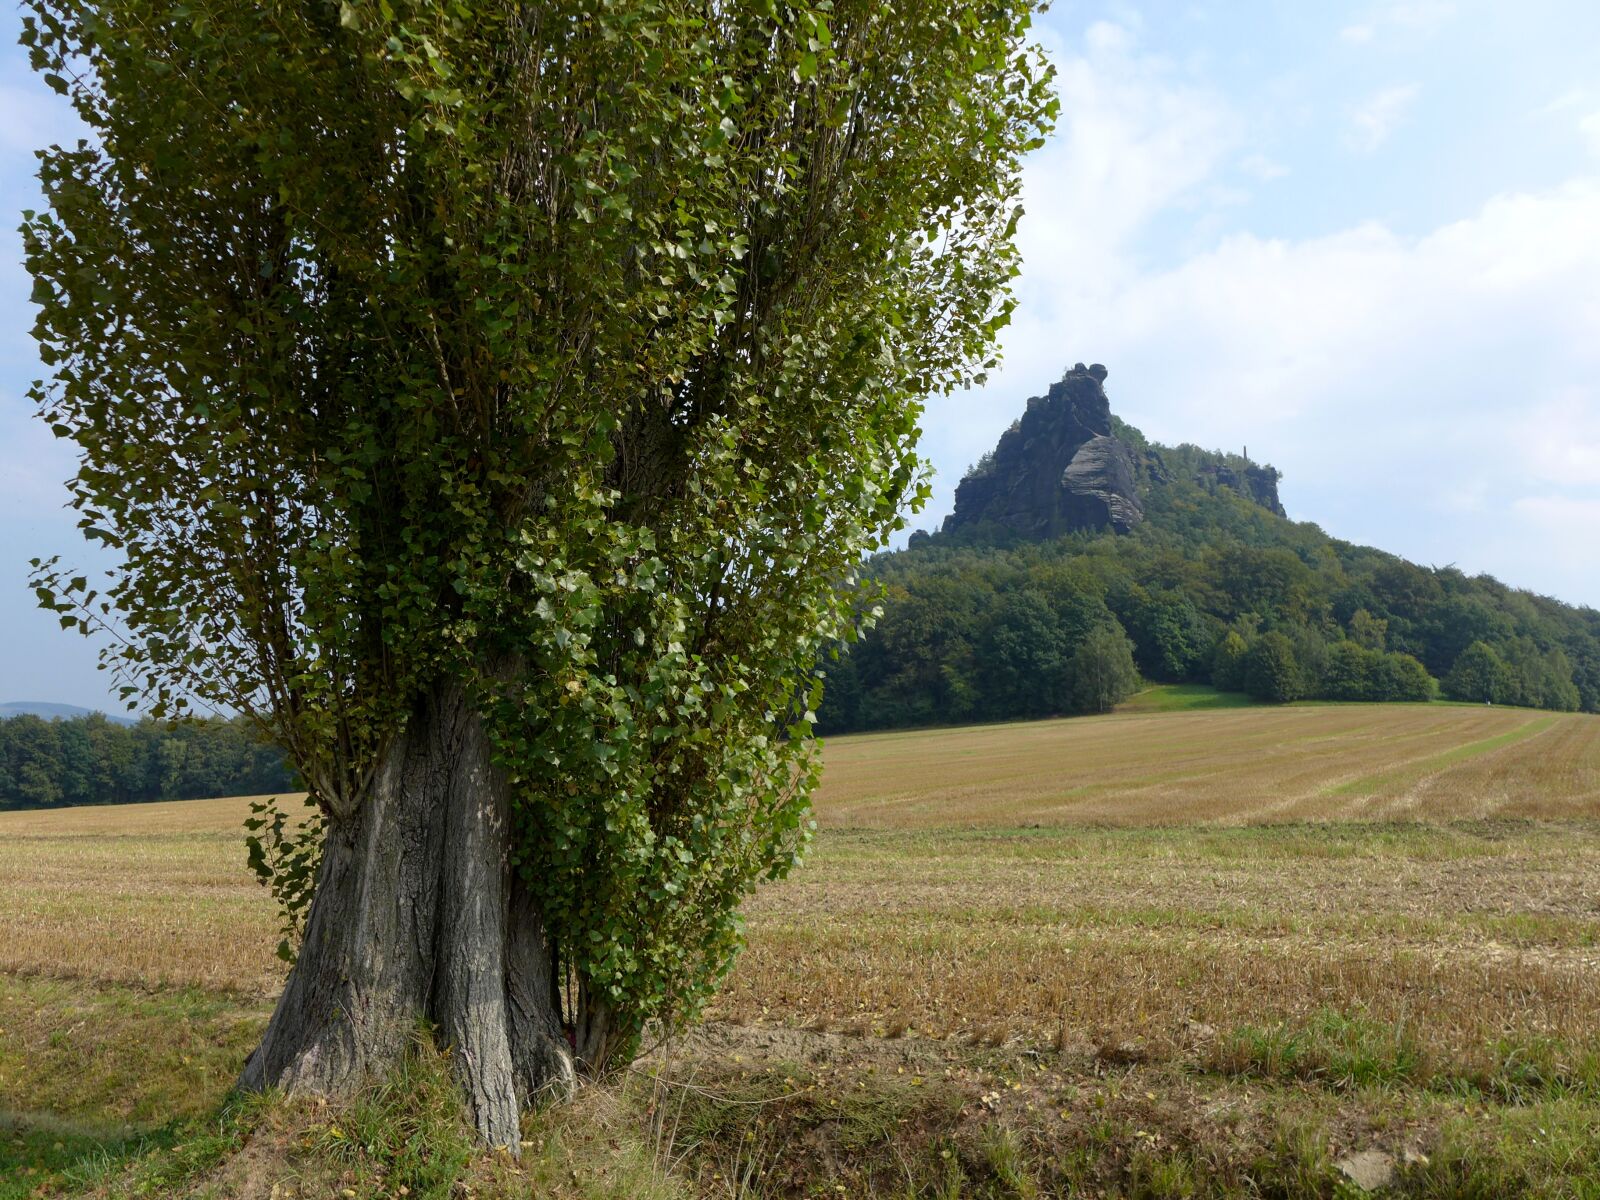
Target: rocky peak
{"points": [[1057, 469], [1061, 468]]}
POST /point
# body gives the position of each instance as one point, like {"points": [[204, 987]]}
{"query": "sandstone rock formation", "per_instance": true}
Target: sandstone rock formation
{"points": [[1101, 479], [1059, 469], [1257, 483]]}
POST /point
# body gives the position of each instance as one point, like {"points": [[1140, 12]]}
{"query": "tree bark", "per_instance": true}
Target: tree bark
{"points": [[417, 917]]}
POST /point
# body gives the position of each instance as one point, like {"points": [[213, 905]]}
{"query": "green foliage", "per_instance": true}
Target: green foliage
{"points": [[571, 352], [1333, 1048], [969, 617], [91, 760], [1029, 652], [1348, 675], [407, 1130], [1479, 675], [1401, 677], [1271, 672], [1367, 631], [1227, 662], [1541, 676], [1353, 672], [1102, 670], [283, 854]]}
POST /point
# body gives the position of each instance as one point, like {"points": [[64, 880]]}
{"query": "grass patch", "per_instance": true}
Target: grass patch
{"points": [[1182, 697], [1547, 1151], [1349, 1052], [1331, 1049], [121, 1059], [408, 1131], [40, 1155]]}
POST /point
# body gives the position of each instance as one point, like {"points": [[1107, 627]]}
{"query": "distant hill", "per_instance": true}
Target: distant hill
{"points": [[54, 712], [1079, 550]]}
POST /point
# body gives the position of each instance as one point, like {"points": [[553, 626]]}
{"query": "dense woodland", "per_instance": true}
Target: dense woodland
{"points": [[982, 625], [92, 760]]}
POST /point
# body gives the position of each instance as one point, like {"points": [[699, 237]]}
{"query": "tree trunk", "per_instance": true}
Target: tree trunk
{"points": [[418, 916]]}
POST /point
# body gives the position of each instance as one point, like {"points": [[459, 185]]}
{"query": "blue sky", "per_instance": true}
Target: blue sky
{"points": [[1362, 239]]}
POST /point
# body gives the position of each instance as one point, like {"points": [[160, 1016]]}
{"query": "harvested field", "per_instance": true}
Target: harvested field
{"points": [[1473, 939], [1370, 918], [1233, 766]]}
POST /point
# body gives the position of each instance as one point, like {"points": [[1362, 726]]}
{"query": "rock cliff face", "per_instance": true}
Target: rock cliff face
{"points": [[1058, 469], [1061, 469], [1257, 483]]}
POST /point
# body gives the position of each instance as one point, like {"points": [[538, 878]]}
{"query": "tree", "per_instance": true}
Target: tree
{"points": [[1270, 670], [1368, 631], [32, 768], [89, 760], [1024, 658], [1479, 674], [1540, 678], [1168, 634], [1102, 670], [1349, 671], [492, 402], [1227, 662], [1310, 657], [1401, 677]]}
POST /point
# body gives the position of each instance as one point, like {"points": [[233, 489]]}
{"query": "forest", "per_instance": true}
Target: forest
{"points": [[984, 625], [93, 760]]}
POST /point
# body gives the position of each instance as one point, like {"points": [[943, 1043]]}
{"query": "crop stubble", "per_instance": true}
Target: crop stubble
{"points": [[1137, 885]]}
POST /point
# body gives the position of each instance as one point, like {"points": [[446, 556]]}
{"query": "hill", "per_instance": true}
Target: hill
{"points": [[1081, 555], [54, 712]]}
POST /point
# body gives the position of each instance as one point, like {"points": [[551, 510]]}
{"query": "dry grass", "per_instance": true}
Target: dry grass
{"points": [[1478, 942], [1233, 766], [1473, 934], [1138, 889], [100, 902], [172, 818]]}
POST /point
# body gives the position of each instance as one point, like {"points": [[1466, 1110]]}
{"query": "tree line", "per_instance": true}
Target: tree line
{"points": [[983, 625], [92, 760]]}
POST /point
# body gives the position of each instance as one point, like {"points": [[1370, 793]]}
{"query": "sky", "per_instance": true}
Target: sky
{"points": [[1361, 239]]}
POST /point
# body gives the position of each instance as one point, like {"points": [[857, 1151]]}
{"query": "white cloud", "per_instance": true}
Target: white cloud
{"points": [[1548, 538], [1259, 166], [1562, 438], [1426, 15], [1589, 127], [1561, 515], [1417, 16], [1389, 376], [1135, 140], [1570, 98], [1372, 122]]}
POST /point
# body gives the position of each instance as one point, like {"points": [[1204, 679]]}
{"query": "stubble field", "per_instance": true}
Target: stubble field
{"points": [[1380, 924]]}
